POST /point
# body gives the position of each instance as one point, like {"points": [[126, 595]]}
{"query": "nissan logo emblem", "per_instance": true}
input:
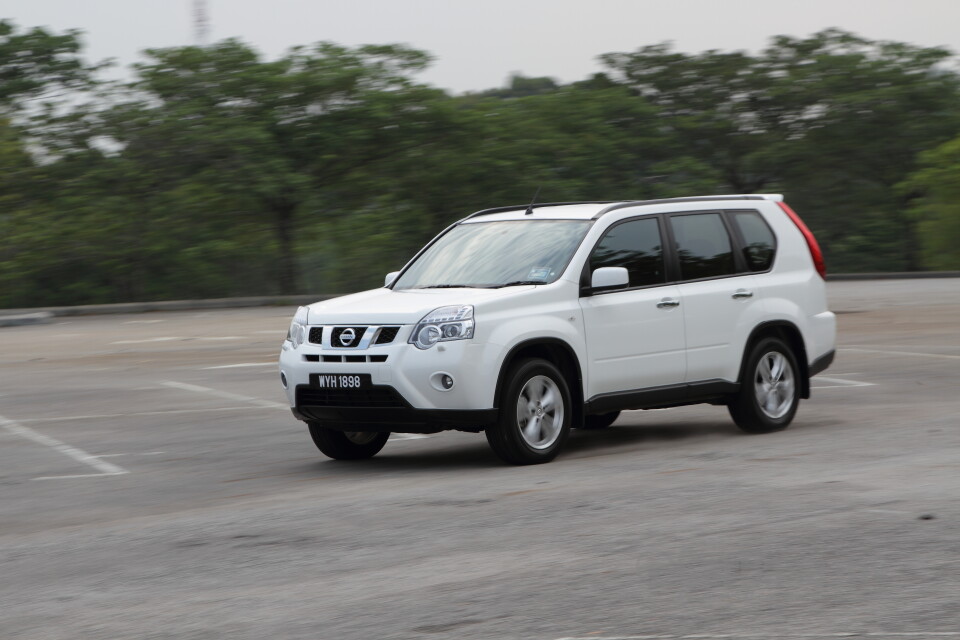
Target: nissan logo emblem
{"points": [[347, 336]]}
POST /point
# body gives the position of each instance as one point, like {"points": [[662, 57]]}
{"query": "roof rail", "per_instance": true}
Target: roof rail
{"points": [[620, 204], [775, 197], [535, 206]]}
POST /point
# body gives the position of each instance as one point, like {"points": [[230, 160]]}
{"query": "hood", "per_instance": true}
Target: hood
{"points": [[405, 306]]}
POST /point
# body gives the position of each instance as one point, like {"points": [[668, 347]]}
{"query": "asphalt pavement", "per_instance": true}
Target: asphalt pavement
{"points": [[154, 485]]}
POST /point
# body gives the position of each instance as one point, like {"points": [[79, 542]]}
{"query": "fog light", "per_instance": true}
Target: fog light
{"points": [[283, 379], [442, 381]]}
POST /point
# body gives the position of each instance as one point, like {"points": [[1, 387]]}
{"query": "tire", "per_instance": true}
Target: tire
{"points": [[535, 414], [770, 388], [347, 445], [600, 420]]}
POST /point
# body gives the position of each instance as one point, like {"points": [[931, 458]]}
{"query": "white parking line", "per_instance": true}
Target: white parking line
{"points": [[105, 468], [79, 475], [775, 635], [898, 346], [839, 383], [117, 455], [146, 340], [172, 338], [102, 416], [903, 353], [266, 404], [241, 365]]}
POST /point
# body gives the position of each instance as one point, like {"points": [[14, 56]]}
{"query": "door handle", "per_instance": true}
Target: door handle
{"points": [[742, 293], [668, 303]]}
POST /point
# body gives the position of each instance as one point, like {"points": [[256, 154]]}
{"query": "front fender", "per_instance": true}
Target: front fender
{"points": [[562, 326]]}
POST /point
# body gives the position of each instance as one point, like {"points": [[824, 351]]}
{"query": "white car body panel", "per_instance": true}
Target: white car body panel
{"points": [[717, 325], [385, 306], [631, 342], [621, 340]]}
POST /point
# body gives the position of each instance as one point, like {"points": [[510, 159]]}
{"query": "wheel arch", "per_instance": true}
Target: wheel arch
{"points": [[789, 333], [560, 354]]}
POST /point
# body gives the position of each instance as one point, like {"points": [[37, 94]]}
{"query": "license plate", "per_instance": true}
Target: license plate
{"points": [[340, 381]]}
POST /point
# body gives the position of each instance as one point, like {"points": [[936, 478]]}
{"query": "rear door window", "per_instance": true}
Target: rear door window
{"points": [[703, 246]]}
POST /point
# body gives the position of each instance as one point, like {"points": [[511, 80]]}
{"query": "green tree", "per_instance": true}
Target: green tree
{"points": [[38, 71], [575, 143], [834, 120], [519, 86], [269, 144], [935, 187], [217, 172], [15, 165], [870, 108], [38, 64]]}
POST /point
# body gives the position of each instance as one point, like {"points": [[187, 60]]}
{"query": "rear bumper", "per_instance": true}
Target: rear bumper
{"points": [[398, 417]]}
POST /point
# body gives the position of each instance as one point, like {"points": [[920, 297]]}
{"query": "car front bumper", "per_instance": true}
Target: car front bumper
{"points": [[405, 395]]}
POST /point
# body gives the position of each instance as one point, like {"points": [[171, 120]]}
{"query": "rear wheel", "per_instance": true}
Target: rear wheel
{"points": [[770, 389], [535, 414], [347, 445]]}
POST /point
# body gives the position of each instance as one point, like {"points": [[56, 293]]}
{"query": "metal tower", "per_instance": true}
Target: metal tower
{"points": [[201, 22]]}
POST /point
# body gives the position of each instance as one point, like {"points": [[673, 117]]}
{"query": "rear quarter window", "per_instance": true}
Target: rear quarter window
{"points": [[759, 243]]}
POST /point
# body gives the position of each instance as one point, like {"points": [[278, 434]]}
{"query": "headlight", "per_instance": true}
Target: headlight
{"points": [[297, 333], [442, 325]]}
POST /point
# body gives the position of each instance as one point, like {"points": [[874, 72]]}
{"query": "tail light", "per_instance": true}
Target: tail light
{"points": [[815, 251]]}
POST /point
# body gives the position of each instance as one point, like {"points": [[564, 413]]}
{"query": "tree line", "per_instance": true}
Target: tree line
{"points": [[215, 172]]}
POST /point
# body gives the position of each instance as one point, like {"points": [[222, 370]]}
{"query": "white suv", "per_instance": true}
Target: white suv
{"points": [[524, 322]]}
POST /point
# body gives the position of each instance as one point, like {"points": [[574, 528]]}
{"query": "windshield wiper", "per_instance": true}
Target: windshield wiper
{"points": [[517, 283], [514, 283], [448, 286]]}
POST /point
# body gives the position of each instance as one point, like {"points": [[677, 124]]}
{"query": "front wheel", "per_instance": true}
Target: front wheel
{"points": [[770, 389], [347, 445], [535, 414]]}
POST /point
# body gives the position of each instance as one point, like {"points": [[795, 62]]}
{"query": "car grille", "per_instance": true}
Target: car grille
{"points": [[374, 397], [336, 337], [386, 335]]}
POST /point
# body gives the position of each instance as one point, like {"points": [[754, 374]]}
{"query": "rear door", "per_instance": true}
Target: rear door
{"points": [[721, 302]]}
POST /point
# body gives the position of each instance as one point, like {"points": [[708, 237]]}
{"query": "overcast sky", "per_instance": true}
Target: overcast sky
{"points": [[477, 44]]}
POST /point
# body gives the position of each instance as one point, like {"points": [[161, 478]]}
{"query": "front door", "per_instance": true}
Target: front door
{"points": [[634, 336]]}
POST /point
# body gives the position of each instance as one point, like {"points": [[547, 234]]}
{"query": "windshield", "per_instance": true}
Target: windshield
{"points": [[496, 254]]}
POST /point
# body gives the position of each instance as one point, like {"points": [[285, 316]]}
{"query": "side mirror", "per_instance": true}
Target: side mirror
{"points": [[390, 278], [609, 278]]}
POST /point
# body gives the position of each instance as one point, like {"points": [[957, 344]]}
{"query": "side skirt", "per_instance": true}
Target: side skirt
{"points": [[673, 395]]}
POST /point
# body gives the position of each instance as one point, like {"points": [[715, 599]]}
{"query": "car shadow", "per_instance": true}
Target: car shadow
{"points": [[619, 436], [456, 455], [435, 454]]}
